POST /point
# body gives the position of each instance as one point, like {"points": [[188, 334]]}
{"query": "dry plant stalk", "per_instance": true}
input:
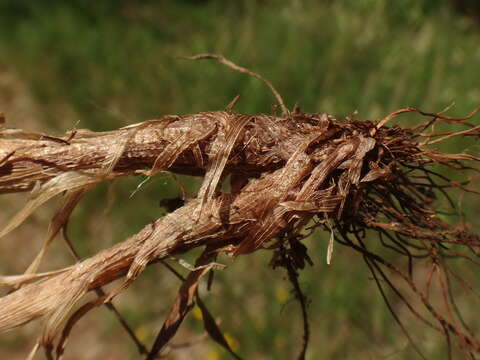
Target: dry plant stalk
{"points": [[287, 171]]}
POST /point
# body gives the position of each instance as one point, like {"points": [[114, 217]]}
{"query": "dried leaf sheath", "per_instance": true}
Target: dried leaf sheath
{"points": [[173, 142], [355, 175]]}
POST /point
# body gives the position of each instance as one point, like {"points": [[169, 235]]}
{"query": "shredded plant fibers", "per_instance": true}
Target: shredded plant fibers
{"points": [[288, 173]]}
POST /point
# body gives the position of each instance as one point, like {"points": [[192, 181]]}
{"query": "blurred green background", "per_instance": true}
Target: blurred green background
{"points": [[105, 64]]}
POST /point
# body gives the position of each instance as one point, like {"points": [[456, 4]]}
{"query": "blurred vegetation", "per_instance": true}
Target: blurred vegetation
{"points": [[106, 64]]}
